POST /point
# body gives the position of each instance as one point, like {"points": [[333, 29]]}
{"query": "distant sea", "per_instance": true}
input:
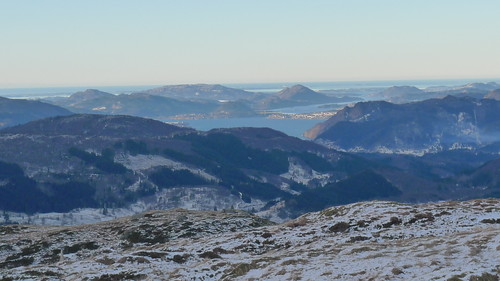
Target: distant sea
{"points": [[292, 127]]}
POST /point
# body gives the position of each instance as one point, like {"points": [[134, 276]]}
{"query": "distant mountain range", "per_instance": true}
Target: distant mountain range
{"points": [[402, 94], [475, 90], [398, 94], [18, 111], [213, 101], [137, 104], [419, 127], [201, 92]]}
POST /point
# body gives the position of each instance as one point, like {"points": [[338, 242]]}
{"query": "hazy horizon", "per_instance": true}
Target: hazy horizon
{"points": [[74, 43]]}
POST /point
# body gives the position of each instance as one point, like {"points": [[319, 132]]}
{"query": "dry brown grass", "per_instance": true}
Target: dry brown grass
{"points": [[474, 250], [281, 272], [397, 271], [374, 256], [302, 221], [294, 262], [451, 251], [428, 253], [334, 212], [361, 249], [434, 243], [105, 261], [358, 273]]}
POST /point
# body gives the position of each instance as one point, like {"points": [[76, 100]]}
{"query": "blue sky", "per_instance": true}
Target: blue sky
{"points": [[122, 42]]}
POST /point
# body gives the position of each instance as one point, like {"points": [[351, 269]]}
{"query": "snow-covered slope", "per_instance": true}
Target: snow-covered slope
{"points": [[362, 241]]}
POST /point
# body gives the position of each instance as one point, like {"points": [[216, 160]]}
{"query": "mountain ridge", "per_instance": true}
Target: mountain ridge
{"points": [[200, 91], [430, 125], [96, 125], [19, 111]]}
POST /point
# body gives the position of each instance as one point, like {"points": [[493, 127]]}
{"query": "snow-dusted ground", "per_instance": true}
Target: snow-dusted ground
{"points": [[361, 241]]}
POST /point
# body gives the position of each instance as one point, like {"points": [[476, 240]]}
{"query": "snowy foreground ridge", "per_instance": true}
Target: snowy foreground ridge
{"points": [[362, 241]]}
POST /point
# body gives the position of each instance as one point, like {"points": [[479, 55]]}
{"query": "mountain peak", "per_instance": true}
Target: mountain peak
{"points": [[395, 91], [89, 92], [297, 95], [88, 95], [298, 87], [297, 91]]}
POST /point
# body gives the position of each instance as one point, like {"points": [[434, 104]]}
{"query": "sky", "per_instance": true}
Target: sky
{"points": [[159, 42]]}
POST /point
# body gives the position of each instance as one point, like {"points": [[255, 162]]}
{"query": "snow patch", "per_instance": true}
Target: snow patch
{"points": [[143, 162], [300, 174]]}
